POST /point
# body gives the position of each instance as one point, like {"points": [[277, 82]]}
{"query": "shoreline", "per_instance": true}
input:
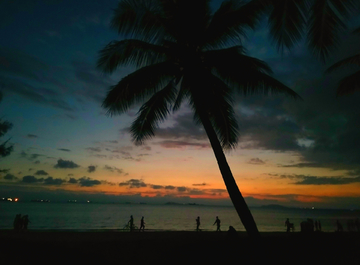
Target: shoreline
{"points": [[177, 247]]}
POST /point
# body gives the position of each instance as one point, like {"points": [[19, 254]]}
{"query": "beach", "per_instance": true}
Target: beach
{"points": [[177, 247]]}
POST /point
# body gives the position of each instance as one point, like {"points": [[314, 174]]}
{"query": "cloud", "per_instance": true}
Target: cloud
{"points": [[181, 189], [200, 184], [10, 177], [4, 170], [156, 187], [170, 187], [32, 136], [31, 179], [93, 149], [311, 180], [52, 181], [133, 183], [72, 180], [114, 169], [181, 144], [91, 169], [41, 173], [64, 149], [88, 182], [256, 161], [65, 164]]}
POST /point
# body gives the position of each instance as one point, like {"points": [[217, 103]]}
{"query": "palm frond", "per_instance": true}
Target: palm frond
{"points": [[139, 19], [233, 60], [230, 22], [255, 82], [186, 20], [182, 94], [221, 114], [349, 84], [138, 86], [287, 22], [356, 31], [155, 110], [325, 22], [129, 52], [348, 61]]}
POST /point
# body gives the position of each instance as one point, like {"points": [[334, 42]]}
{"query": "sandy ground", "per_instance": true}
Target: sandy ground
{"points": [[110, 247]]}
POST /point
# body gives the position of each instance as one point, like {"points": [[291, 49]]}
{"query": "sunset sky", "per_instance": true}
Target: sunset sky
{"points": [[294, 153]]}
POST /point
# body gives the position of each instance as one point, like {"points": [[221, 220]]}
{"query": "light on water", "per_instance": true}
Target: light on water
{"points": [[92, 216]]}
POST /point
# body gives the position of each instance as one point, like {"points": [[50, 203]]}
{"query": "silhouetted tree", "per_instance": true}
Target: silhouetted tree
{"points": [[183, 52], [350, 83], [5, 126], [321, 21]]}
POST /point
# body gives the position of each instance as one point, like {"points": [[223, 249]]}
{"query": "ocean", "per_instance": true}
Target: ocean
{"points": [[96, 216]]}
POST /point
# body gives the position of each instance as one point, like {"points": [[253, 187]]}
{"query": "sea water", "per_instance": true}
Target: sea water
{"points": [[96, 216]]}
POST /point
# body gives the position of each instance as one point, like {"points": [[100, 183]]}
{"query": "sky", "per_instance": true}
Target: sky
{"points": [[293, 153]]}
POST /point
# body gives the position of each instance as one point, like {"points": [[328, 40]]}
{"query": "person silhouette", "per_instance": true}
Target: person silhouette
{"points": [[198, 223], [287, 224], [319, 224], [25, 221], [131, 223], [339, 226], [142, 224], [217, 222]]}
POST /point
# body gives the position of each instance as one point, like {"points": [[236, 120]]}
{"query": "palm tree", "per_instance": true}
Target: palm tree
{"points": [[320, 20], [350, 83], [184, 53]]}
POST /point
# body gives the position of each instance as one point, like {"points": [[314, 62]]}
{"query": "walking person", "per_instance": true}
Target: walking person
{"points": [[217, 222], [25, 221], [198, 223], [142, 224], [131, 223]]}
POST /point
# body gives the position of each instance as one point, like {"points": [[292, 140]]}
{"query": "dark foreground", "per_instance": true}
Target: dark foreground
{"points": [[55, 247]]}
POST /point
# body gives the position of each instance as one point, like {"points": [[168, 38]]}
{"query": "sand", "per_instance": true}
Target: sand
{"points": [[170, 247]]}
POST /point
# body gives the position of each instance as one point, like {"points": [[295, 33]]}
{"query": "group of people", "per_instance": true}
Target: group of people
{"points": [[306, 226], [132, 226], [21, 222], [217, 222]]}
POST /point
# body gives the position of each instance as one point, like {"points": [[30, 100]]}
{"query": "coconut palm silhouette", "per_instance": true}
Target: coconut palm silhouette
{"points": [[185, 53]]}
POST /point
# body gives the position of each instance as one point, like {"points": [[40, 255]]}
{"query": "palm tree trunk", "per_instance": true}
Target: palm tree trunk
{"points": [[230, 183]]}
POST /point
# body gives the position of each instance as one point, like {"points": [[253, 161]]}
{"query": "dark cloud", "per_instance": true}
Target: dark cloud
{"points": [[64, 149], [113, 142], [31, 179], [4, 170], [92, 79], [65, 164], [72, 180], [30, 157], [256, 161], [311, 180], [24, 75], [41, 173], [70, 175], [156, 187], [181, 189], [93, 149], [114, 169], [88, 182], [169, 187], [91, 169], [200, 184], [10, 177], [32, 136], [52, 181], [182, 144], [133, 183]]}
